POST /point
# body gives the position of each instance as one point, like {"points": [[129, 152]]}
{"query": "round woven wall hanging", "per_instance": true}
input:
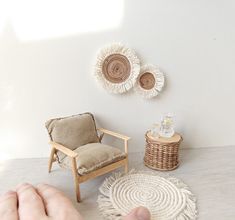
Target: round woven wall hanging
{"points": [[149, 82], [166, 197], [117, 68]]}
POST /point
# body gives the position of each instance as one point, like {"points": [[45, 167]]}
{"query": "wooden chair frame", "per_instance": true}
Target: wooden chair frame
{"points": [[73, 155]]}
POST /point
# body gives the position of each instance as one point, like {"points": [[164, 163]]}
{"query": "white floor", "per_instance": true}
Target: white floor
{"points": [[210, 172]]}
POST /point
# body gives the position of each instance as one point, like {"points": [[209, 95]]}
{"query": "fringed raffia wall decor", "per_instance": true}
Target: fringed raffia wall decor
{"points": [[117, 68], [149, 82]]}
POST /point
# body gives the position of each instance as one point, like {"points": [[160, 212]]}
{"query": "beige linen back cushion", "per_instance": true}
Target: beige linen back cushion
{"points": [[73, 132]]}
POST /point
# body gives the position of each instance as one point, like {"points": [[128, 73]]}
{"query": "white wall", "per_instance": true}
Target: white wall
{"points": [[192, 41]]}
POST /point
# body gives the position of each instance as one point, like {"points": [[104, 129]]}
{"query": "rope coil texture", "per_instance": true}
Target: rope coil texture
{"points": [[167, 197]]}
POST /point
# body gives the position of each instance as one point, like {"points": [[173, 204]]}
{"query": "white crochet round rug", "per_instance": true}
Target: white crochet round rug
{"points": [[166, 197]]}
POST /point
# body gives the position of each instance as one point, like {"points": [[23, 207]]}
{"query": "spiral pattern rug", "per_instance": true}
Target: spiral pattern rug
{"points": [[166, 197]]}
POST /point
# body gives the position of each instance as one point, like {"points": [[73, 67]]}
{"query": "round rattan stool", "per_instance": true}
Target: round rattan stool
{"points": [[162, 153]]}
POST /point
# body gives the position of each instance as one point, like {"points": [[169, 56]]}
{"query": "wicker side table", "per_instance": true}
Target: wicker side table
{"points": [[162, 153]]}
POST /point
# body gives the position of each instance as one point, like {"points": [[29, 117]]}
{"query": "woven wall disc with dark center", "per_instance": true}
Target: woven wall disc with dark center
{"points": [[117, 68], [149, 82]]}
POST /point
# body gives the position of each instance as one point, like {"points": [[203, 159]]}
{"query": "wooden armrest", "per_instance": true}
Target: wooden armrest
{"points": [[123, 137], [64, 149]]}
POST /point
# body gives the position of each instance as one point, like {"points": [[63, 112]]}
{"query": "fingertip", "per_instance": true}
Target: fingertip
{"points": [[143, 213], [22, 185], [54, 198], [8, 205], [139, 213], [30, 203], [42, 185], [7, 195], [10, 192]]}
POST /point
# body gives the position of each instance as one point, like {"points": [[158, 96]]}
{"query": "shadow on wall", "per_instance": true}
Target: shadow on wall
{"points": [[45, 67], [36, 54]]}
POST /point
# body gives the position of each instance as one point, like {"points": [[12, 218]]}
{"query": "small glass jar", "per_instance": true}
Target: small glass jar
{"points": [[167, 126], [154, 130]]}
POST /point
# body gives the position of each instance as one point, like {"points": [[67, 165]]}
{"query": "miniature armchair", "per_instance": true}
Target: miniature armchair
{"points": [[76, 145]]}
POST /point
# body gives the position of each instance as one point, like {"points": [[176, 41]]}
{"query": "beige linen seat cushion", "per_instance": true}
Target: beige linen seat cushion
{"points": [[94, 156]]}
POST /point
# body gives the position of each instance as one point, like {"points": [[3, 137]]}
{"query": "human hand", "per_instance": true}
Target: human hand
{"points": [[139, 213], [45, 202]]}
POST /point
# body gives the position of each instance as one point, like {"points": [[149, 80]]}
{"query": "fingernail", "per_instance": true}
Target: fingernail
{"points": [[6, 195], [42, 186], [143, 213], [10, 192], [22, 185]]}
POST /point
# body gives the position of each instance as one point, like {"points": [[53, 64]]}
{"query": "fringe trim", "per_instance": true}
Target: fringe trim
{"points": [[134, 62], [107, 210], [159, 81]]}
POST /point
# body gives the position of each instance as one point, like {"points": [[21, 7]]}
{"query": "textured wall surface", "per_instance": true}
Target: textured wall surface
{"points": [[46, 65]]}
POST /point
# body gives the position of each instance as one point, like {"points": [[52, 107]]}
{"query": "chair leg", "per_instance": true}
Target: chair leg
{"points": [[51, 159], [78, 195], [126, 167], [126, 151], [76, 182]]}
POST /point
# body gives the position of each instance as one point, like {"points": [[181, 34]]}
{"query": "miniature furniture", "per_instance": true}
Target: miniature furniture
{"points": [[76, 145], [162, 153]]}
